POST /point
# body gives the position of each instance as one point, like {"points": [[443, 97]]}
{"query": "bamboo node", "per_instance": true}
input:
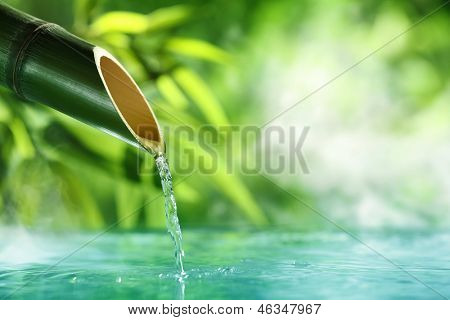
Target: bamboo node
{"points": [[17, 67]]}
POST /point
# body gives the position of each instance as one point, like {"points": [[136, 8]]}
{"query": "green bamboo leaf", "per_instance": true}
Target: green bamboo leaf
{"points": [[234, 188], [198, 49], [202, 95], [154, 207], [129, 199], [82, 12], [169, 17], [59, 143], [5, 114], [92, 139], [181, 117], [25, 204], [170, 91], [187, 193], [237, 192], [77, 198], [117, 40], [132, 64], [135, 23], [22, 139], [120, 21], [83, 8], [230, 185]]}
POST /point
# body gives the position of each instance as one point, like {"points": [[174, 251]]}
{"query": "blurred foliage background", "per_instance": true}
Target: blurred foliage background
{"points": [[378, 148]]}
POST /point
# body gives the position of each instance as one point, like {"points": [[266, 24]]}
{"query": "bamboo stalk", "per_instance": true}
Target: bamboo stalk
{"points": [[43, 62]]}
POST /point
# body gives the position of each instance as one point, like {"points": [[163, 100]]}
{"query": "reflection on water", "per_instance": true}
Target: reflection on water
{"points": [[227, 265]]}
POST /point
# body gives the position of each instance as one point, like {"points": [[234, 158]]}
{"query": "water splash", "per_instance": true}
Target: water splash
{"points": [[173, 225]]}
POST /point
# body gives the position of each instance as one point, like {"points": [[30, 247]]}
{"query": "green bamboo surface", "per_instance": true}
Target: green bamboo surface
{"points": [[42, 62]]}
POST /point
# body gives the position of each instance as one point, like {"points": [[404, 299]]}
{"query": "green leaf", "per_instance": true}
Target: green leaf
{"points": [[187, 193], [202, 95], [234, 188], [77, 198], [5, 114], [82, 12], [117, 40], [170, 91], [229, 184], [169, 17], [93, 139], [132, 64], [180, 117], [120, 21], [135, 23], [198, 49], [60, 144], [22, 139], [154, 206], [128, 200]]}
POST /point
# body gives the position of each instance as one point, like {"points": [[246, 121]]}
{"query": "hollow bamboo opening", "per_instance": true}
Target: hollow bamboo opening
{"points": [[129, 102]]}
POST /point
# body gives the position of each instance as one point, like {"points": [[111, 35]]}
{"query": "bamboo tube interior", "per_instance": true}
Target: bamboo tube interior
{"points": [[130, 102]]}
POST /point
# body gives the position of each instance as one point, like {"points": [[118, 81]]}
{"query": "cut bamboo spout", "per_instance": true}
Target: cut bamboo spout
{"points": [[43, 62]]}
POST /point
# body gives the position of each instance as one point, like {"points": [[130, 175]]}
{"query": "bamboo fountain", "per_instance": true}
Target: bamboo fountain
{"points": [[42, 62]]}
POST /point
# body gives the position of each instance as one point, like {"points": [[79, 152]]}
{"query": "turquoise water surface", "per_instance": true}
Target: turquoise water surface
{"points": [[225, 265]]}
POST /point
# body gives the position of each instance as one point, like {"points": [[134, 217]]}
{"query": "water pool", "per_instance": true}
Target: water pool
{"points": [[225, 265]]}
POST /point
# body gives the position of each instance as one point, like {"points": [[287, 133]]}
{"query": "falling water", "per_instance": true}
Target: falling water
{"points": [[173, 225]]}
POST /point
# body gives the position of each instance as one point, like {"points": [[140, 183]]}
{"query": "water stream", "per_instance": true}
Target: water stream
{"points": [[173, 225]]}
